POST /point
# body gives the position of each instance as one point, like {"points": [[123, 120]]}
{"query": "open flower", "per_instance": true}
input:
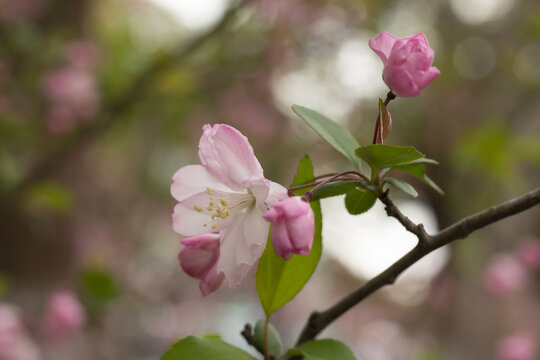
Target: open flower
{"points": [[407, 62], [199, 258], [294, 227], [227, 194]]}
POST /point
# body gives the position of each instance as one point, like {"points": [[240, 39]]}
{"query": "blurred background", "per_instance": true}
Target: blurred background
{"points": [[102, 101]]}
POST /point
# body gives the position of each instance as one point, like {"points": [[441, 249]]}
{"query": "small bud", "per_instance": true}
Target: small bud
{"points": [[294, 227]]}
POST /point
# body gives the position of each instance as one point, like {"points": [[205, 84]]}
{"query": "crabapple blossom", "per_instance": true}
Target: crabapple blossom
{"points": [[407, 62], [504, 274], [227, 194], [293, 227]]}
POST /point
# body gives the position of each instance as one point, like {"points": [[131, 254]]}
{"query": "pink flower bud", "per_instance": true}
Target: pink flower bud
{"points": [[528, 253], [407, 62], [520, 346], [294, 227], [504, 274], [64, 314], [199, 258]]}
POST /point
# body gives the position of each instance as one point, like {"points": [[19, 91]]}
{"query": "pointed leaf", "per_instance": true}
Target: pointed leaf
{"points": [[418, 170], [338, 188], [196, 348], [336, 135], [359, 201], [402, 185], [324, 349], [279, 280], [379, 155]]}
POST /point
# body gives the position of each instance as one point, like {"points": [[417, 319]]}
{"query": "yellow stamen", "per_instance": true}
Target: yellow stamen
{"points": [[197, 207], [214, 226]]}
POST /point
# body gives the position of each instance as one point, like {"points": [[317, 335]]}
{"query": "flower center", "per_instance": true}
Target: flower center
{"points": [[222, 204]]}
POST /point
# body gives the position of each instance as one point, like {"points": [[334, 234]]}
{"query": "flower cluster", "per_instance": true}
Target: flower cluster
{"points": [[221, 210]]}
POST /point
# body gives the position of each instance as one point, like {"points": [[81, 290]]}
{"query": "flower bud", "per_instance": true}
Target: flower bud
{"points": [[294, 227], [407, 62], [199, 258]]}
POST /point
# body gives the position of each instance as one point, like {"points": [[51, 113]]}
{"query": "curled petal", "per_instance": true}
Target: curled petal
{"points": [[228, 155], [400, 81], [382, 44], [424, 78]]}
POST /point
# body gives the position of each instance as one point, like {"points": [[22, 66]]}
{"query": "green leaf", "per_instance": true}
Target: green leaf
{"points": [[197, 348], [419, 171], [98, 286], [378, 155], [402, 185], [359, 201], [275, 345], [50, 197], [336, 135], [337, 188], [279, 280], [324, 349]]}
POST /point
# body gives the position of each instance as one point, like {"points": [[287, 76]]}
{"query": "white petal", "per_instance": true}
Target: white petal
{"points": [[193, 179], [256, 232], [277, 193], [188, 220], [235, 258]]}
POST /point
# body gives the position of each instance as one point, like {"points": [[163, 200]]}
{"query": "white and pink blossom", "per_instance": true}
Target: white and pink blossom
{"points": [[227, 194]]}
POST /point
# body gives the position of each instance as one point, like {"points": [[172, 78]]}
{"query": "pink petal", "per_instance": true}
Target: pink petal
{"points": [[382, 44], [281, 240], [211, 281], [424, 78], [400, 82], [228, 154], [193, 179], [197, 262]]}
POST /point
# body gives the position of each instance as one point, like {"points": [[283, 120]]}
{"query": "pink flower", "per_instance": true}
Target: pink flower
{"points": [[504, 274], [520, 346], [407, 62], [199, 258], [227, 194], [294, 227], [528, 253], [64, 314]]}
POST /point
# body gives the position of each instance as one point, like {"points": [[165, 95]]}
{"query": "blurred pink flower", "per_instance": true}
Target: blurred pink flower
{"points": [[521, 346], [82, 54], [75, 89], [14, 342], [64, 314], [227, 194], [504, 274], [293, 226], [199, 259], [407, 62], [528, 252]]}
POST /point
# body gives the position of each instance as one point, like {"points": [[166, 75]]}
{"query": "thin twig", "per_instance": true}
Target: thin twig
{"points": [[320, 320], [111, 113]]}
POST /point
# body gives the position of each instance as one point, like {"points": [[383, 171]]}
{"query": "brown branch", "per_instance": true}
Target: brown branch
{"points": [[111, 114], [427, 243]]}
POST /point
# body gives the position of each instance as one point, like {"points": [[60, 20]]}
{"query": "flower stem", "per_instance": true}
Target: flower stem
{"points": [[337, 177], [266, 323]]}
